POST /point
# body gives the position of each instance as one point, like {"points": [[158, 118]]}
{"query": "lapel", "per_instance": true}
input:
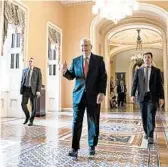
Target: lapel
{"points": [[81, 64], [33, 73], [91, 61], [142, 73], [151, 75]]}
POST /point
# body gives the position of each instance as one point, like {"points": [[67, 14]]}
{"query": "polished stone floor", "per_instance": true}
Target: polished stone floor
{"points": [[46, 144]]}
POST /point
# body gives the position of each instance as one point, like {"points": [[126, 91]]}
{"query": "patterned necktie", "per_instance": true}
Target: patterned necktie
{"points": [[28, 78], [86, 66], [146, 78]]}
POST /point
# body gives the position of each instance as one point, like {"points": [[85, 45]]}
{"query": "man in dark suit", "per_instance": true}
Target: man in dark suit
{"points": [[148, 82], [121, 91], [30, 88], [90, 88]]}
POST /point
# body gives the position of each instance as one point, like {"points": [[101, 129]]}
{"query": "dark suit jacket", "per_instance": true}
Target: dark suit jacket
{"points": [[155, 84], [119, 89], [36, 80], [94, 83]]}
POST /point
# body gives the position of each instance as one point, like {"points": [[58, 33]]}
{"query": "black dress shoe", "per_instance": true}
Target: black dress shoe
{"points": [[73, 153], [30, 124], [146, 136], [150, 140], [26, 120], [92, 150]]}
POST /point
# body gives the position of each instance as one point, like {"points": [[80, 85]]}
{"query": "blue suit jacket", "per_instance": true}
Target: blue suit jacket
{"points": [[94, 83]]}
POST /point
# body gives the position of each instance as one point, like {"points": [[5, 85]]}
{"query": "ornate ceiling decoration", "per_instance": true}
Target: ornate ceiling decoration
{"points": [[129, 36], [75, 2]]}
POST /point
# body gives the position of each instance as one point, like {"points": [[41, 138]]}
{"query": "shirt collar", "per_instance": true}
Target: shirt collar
{"points": [[31, 68], [88, 57], [149, 66]]}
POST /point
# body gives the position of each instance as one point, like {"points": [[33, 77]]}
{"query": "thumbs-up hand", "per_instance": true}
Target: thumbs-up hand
{"points": [[64, 67]]}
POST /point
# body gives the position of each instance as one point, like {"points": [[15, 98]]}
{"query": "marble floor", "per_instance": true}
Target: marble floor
{"points": [[46, 144]]}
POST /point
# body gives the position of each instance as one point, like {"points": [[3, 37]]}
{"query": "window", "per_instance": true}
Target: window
{"points": [[54, 69], [49, 54], [54, 54], [14, 61], [50, 69], [15, 50], [17, 60], [15, 40], [18, 40], [52, 57]]}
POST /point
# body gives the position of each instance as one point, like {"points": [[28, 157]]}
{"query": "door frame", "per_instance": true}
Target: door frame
{"points": [[25, 49], [52, 25]]}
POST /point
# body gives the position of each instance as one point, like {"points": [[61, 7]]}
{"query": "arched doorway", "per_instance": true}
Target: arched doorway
{"points": [[141, 18]]}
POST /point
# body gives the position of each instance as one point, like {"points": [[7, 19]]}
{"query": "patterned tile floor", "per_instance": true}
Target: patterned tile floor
{"points": [[121, 142]]}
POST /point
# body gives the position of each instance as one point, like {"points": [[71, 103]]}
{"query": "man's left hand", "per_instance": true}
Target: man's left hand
{"points": [[100, 98], [161, 102], [37, 94]]}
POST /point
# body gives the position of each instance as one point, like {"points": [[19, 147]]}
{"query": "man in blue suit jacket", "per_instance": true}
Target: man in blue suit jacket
{"points": [[90, 88]]}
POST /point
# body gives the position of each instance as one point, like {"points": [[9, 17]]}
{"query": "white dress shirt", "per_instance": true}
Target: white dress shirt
{"points": [[88, 59], [149, 74], [31, 71], [122, 88]]}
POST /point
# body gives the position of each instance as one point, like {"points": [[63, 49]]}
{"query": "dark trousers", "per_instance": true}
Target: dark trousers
{"points": [[93, 116], [148, 112], [27, 93], [121, 98]]}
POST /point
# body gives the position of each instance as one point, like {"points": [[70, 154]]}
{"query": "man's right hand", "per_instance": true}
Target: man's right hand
{"points": [[64, 67], [133, 99]]}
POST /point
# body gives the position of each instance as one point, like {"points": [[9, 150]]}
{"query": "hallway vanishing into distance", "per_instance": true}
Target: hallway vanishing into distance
{"points": [[47, 35], [121, 142]]}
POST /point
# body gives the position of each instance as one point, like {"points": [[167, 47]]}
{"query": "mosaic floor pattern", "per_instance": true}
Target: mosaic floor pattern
{"points": [[49, 155], [115, 131], [121, 143]]}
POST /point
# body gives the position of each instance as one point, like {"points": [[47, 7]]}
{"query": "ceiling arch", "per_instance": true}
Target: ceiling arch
{"points": [[148, 14], [127, 35]]}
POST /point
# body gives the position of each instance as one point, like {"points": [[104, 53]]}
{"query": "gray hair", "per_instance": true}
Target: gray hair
{"points": [[86, 39]]}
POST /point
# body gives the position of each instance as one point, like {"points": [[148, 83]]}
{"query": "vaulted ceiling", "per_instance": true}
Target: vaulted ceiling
{"points": [[129, 37]]}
